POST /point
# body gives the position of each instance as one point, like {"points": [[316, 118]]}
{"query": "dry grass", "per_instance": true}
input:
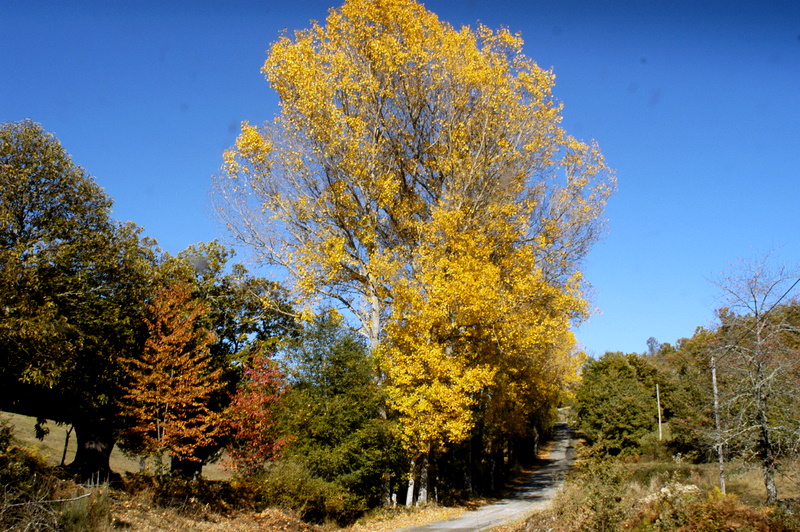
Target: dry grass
{"points": [[383, 520], [142, 517], [692, 501], [747, 481], [139, 513]]}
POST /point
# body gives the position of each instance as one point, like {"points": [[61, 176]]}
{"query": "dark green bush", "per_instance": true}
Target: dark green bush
{"points": [[290, 485], [616, 400]]}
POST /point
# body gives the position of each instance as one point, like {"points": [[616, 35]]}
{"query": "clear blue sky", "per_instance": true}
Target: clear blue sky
{"points": [[695, 104]]}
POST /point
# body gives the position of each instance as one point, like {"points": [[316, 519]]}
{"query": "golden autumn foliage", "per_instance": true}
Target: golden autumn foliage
{"points": [[171, 382], [476, 313], [419, 175]]}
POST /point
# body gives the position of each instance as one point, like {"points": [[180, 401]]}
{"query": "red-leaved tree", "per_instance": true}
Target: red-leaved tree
{"points": [[251, 416]]}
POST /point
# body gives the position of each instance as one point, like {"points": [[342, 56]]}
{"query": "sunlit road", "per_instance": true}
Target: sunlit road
{"points": [[535, 493]]}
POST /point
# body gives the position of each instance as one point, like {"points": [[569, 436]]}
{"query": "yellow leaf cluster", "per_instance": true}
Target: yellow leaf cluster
{"points": [[477, 321]]}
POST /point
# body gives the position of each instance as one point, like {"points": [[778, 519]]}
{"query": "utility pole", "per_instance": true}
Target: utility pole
{"points": [[658, 402], [719, 445]]}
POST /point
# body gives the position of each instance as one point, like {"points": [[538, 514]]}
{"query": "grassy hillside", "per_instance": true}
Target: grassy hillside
{"points": [[51, 448]]}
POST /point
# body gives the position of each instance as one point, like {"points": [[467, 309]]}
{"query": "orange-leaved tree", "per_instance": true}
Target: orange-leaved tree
{"points": [[171, 381]]}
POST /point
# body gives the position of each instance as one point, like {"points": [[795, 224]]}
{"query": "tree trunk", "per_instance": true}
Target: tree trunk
{"points": [[386, 491], [718, 426], [185, 468], [513, 453], [766, 449], [658, 406], [95, 440], [422, 497], [374, 328], [66, 445], [769, 482], [767, 455], [491, 473], [410, 492], [374, 333], [477, 467]]}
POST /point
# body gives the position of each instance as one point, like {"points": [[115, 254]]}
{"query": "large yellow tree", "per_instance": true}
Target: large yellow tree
{"points": [[476, 326], [418, 174]]}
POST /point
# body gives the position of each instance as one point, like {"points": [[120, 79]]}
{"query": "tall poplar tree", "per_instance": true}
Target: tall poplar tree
{"points": [[416, 173]]}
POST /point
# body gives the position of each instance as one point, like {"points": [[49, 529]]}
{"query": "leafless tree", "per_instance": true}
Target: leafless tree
{"points": [[756, 358]]}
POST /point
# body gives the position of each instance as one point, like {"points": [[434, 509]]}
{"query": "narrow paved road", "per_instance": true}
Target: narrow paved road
{"points": [[535, 493]]}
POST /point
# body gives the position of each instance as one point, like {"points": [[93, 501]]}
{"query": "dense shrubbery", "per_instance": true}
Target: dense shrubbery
{"points": [[290, 485], [32, 497], [608, 494], [285, 484], [332, 412]]}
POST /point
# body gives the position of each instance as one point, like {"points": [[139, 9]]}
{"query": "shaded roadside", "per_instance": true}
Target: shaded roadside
{"points": [[534, 493]]}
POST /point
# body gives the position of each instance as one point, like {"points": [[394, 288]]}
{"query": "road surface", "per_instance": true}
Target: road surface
{"points": [[535, 493]]}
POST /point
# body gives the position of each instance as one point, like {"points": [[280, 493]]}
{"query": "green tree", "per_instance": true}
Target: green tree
{"points": [[686, 393], [332, 410], [616, 401], [244, 310], [73, 287]]}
